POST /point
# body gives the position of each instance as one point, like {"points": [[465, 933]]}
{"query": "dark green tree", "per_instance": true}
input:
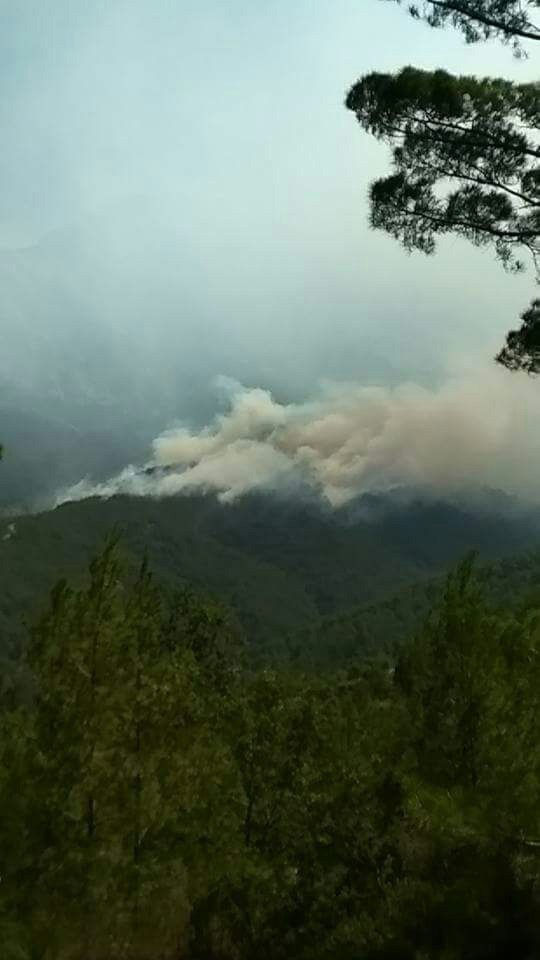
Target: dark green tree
{"points": [[127, 770], [470, 680], [16, 852], [72, 655], [522, 348], [461, 131], [509, 20], [161, 798], [465, 159]]}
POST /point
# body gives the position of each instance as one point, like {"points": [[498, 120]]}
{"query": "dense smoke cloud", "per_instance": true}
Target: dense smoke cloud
{"points": [[351, 439], [184, 194]]}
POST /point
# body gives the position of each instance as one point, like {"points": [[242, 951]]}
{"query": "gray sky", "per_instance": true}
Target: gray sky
{"points": [[225, 118]]}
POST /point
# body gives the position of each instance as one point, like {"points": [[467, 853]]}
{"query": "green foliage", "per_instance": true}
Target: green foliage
{"points": [[477, 136], [470, 681], [16, 853], [522, 348], [509, 20], [464, 150], [159, 798], [123, 762], [282, 571]]}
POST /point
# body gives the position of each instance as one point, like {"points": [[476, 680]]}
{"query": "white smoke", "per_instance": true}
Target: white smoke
{"points": [[473, 431]]}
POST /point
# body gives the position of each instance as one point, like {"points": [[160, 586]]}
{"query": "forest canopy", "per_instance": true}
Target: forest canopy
{"points": [[161, 798]]}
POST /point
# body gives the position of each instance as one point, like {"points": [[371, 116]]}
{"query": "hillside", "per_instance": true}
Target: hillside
{"points": [[292, 573], [510, 583]]}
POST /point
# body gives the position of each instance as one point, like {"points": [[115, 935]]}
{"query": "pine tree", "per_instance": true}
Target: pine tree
{"points": [[470, 681], [72, 656], [509, 20], [130, 769], [465, 156]]}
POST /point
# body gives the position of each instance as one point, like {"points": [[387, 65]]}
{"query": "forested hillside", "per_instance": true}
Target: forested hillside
{"points": [[280, 566], [160, 798], [372, 628], [269, 480]]}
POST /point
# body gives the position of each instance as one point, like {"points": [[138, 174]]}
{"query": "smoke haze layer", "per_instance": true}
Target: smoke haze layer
{"points": [[185, 194], [471, 432]]}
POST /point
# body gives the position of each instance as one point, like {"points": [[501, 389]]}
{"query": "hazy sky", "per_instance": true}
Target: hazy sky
{"points": [[226, 118]]}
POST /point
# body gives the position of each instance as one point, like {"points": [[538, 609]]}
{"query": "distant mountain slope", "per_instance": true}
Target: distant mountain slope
{"points": [[382, 626], [280, 565]]}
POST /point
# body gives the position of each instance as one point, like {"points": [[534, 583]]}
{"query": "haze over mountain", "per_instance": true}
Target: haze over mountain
{"points": [[184, 199], [269, 510], [191, 304], [79, 392]]}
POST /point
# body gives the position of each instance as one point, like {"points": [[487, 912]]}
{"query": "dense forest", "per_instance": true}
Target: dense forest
{"points": [[294, 574], [265, 730], [163, 797]]}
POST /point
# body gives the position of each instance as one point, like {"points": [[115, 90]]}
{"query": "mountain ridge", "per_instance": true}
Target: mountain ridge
{"points": [[281, 566]]}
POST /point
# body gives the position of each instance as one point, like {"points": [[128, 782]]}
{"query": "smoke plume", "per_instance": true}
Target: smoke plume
{"points": [[351, 439]]}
